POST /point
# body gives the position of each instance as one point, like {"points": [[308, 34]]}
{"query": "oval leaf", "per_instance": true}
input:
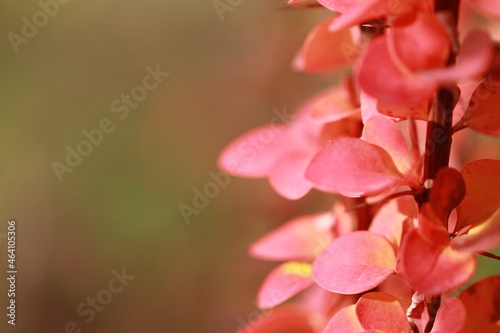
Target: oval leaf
{"points": [[482, 304], [284, 282], [352, 167], [381, 311], [354, 263], [482, 196], [302, 238], [344, 321]]}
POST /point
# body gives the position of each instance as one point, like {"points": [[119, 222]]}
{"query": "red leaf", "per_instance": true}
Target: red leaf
{"points": [[284, 282], [430, 265], [354, 263], [448, 190], [482, 197], [371, 106], [482, 304], [381, 311]]}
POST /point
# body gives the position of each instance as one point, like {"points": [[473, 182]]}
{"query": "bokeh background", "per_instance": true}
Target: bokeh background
{"points": [[119, 208]]}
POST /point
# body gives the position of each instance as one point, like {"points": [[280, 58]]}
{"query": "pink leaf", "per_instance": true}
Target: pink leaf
{"points": [[299, 239], [358, 11], [381, 311], [419, 41], [289, 318], [450, 317], [354, 263], [334, 104], [352, 167], [287, 176], [252, 154], [488, 7], [388, 221], [383, 132], [344, 321], [284, 282], [474, 59], [381, 78]]}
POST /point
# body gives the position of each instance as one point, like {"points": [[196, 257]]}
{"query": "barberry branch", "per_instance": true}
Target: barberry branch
{"points": [[439, 128]]}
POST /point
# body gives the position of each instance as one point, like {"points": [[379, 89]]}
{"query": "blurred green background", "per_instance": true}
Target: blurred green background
{"points": [[119, 207]]}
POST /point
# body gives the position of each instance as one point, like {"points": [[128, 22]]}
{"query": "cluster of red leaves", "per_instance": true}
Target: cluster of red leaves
{"points": [[399, 268]]}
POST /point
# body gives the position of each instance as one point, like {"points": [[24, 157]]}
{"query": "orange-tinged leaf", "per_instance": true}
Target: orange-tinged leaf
{"points": [[483, 114], [482, 196], [381, 311], [322, 50], [482, 304], [484, 237], [354, 263]]}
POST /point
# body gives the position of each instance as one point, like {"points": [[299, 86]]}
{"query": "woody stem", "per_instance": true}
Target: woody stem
{"points": [[439, 128]]}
